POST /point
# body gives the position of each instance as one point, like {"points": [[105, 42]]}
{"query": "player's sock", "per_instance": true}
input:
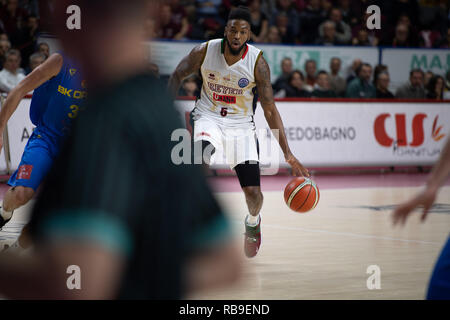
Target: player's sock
{"points": [[252, 221], [6, 215], [252, 240]]}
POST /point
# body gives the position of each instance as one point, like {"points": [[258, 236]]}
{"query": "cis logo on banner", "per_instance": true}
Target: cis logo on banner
{"points": [[401, 140]]}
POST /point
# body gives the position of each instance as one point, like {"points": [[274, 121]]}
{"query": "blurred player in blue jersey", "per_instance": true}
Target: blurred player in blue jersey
{"points": [[57, 100], [439, 285]]}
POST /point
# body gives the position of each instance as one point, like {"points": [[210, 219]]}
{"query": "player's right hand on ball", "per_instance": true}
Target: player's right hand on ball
{"points": [[297, 168]]}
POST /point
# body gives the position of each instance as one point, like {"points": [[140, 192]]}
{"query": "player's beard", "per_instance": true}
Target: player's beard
{"points": [[235, 52]]}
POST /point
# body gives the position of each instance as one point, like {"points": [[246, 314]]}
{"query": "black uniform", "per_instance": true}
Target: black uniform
{"points": [[114, 185]]}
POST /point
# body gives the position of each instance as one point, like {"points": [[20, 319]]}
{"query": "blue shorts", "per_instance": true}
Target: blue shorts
{"points": [[439, 287], [36, 161]]}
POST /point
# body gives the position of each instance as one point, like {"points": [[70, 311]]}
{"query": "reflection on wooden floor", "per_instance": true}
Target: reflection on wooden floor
{"points": [[324, 254]]}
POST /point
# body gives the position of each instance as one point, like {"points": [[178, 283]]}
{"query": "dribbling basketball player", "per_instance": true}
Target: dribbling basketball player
{"points": [[234, 74]]}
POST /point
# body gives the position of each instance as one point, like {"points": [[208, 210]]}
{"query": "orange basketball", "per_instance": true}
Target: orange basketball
{"points": [[301, 194]]}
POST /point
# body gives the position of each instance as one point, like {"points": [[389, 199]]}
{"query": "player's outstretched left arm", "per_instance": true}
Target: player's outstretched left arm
{"points": [[264, 86], [50, 68], [427, 197]]}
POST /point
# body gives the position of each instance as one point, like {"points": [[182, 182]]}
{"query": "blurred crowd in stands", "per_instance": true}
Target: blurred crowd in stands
{"points": [[404, 23], [20, 52], [362, 82]]}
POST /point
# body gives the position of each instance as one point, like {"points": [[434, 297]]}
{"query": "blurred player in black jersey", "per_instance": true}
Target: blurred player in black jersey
{"points": [[114, 204]]}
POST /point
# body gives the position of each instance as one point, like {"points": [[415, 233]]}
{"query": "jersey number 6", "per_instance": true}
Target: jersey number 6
{"points": [[224, 112]]}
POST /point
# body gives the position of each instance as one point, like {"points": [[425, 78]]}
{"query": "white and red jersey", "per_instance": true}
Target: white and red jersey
{"points": [[228, 93]]}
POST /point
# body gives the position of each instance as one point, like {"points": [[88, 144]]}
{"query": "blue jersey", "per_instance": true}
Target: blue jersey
{"points": [[59, 100]]}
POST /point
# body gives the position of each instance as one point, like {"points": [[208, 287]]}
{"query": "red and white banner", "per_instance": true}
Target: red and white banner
{"points": [[322, 134], [329, 134]]}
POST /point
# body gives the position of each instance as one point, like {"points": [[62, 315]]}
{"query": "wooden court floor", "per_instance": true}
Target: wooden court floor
{"points": [[324, 254]]}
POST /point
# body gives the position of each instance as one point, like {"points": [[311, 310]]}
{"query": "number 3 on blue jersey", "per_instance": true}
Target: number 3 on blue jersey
{"points": [[74, 112]]}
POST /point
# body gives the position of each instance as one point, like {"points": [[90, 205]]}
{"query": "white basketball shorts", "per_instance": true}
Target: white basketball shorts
{"points": [[237, 143]]}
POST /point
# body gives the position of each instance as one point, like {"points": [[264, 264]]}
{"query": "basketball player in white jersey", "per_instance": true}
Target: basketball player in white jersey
{"points": [[234, 75]]}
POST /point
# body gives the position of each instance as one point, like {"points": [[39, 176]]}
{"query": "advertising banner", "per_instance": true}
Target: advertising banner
{"points": [[320, 134], [330, 134], [20, 129], [401, 61]]}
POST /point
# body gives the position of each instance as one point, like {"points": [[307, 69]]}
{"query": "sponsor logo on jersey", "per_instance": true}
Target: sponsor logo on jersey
{"points": [[71, 93], [226, 99], [24, 172], [212, 76], [243, 82], [72, 71], [225, 90]]}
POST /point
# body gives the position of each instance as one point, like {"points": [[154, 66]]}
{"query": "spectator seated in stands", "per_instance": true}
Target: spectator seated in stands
{"points": [[352, 74], [286, 19], [3, 36], [322, 86], [282, 80], [379, 68], [36, 59], [282, 23], [10, 75], [427, 77], [414, 88], [27, 38], [447, 86], [329, 34], [429, 37], [348, 13], [209, 9], [295, 87], [337, 83], [5, 46], [361, 87], [435, 88], [150, 29], [273, 36], [402, 37], [44, 49], [342, 30], [445, 41], [189, 87], [362, 38], [170, 26], [260, 22], [310, 69], [311, 18], [13, 17], [382, 85]]}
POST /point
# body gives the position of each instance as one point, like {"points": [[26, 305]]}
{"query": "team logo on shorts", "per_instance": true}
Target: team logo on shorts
{"points": [[243, 82], [24, 172]]}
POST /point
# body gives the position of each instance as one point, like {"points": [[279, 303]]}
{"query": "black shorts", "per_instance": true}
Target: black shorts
{"points": [[248, 173]]}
